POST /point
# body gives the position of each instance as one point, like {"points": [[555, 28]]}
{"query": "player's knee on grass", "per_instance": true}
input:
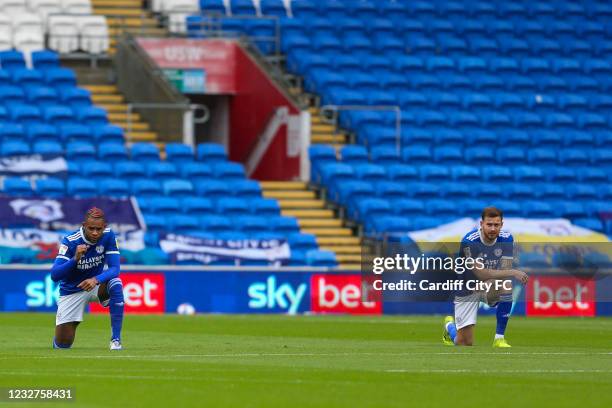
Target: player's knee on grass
{"points": [[65, 334], [465, 336]]}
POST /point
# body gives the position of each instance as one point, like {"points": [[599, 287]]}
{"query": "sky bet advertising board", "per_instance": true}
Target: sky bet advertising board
{"points": [[287, 293]]}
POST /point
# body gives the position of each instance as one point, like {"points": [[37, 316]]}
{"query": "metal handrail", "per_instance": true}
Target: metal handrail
{"points": [[395, 108], [130, 107]]}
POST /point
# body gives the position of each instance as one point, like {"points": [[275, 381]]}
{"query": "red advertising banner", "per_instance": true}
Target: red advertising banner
{"points": [[143, 293], [560, 296], [340, 294], [216, 57]]}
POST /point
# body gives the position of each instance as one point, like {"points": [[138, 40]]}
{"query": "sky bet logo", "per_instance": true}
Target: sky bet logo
{"points": [[270, 295], [42, 293]]}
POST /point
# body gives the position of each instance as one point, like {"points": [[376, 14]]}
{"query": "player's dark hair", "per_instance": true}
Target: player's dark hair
{"points": [[95, 213], [492, 212]]}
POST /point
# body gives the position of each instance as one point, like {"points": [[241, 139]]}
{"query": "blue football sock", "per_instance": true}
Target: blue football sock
{"points": [[116, 305], [452, 330], [60, 346], [503, 313]]}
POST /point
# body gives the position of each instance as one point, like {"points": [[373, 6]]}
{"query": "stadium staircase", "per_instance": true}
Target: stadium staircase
{"points": [[315, 217], [127, 16], [109, 97]]}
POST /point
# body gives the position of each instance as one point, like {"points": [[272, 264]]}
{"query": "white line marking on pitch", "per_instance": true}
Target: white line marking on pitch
{"points": [[534, 371], [60, 355]]}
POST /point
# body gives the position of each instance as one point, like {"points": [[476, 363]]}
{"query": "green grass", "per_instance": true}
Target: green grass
{"points": [[311, 361]]}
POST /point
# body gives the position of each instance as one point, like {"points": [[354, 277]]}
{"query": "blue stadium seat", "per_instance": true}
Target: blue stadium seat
{"points": [[533, 260], [495, 173], [421, 190], [242, 7], [273, 8], [211, 152], [215, 223], [302, 242], [155, 223], [537, 209], [162, 170], [350, 154], [456, 189], [433, 172], [333, 172], [385, 155], [80, 152], [92, 115], [478, 156], [75, 133], [594, 224], [232, 206], [178, 188], [485, 191], [602, 157], [146, 187], [112, 187], [527, 174], [44, 59], [246, 188], [57, 115], [371, 207], [348, 191], [251, 224], [264, 206], [51, 187], [97, 170], [519, 191], [548, 191], [17, 187], [42, 96], [465, 173], [229, 171], [402, 172], [321, 258], [12, 132], [162, 205], [24, 114], [471, 207], [448, 155], [179, 152], [211, 188], [11, 60], [370, 172], [510, 208], [417, 155], [580, 191], [196, 206], [407, 207], [75, 97], [561, 174], [11, 94], [144, 152], [60, 77], [185, 224], [572, 157], [569, 209], [441, 208], [47, 148], [195, 170], [593, 175], [81, 188], [577, 138], [129, 170], [112, 152]]}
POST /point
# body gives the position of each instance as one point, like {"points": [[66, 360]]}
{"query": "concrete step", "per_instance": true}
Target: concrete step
{"points": [[300, 204], [120, 11], [114, 107], [147, 31], [320, 223], [329, 232], [328, 138], [137, 136], [321, 128], [344, 240], [343, 249], [348, 258], [135, 126], [309, 213], [349, 267], [123, 117], [289, 195], [101, 89], [313, 110], [119, 22], [116, 3], [101, 99], [283, 185]]}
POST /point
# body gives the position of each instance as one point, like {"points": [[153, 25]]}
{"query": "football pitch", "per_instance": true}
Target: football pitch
{"points": [[310, 361]]}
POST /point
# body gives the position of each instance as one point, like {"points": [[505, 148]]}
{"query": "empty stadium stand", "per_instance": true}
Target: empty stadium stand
{"points": [[500, 105]]}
